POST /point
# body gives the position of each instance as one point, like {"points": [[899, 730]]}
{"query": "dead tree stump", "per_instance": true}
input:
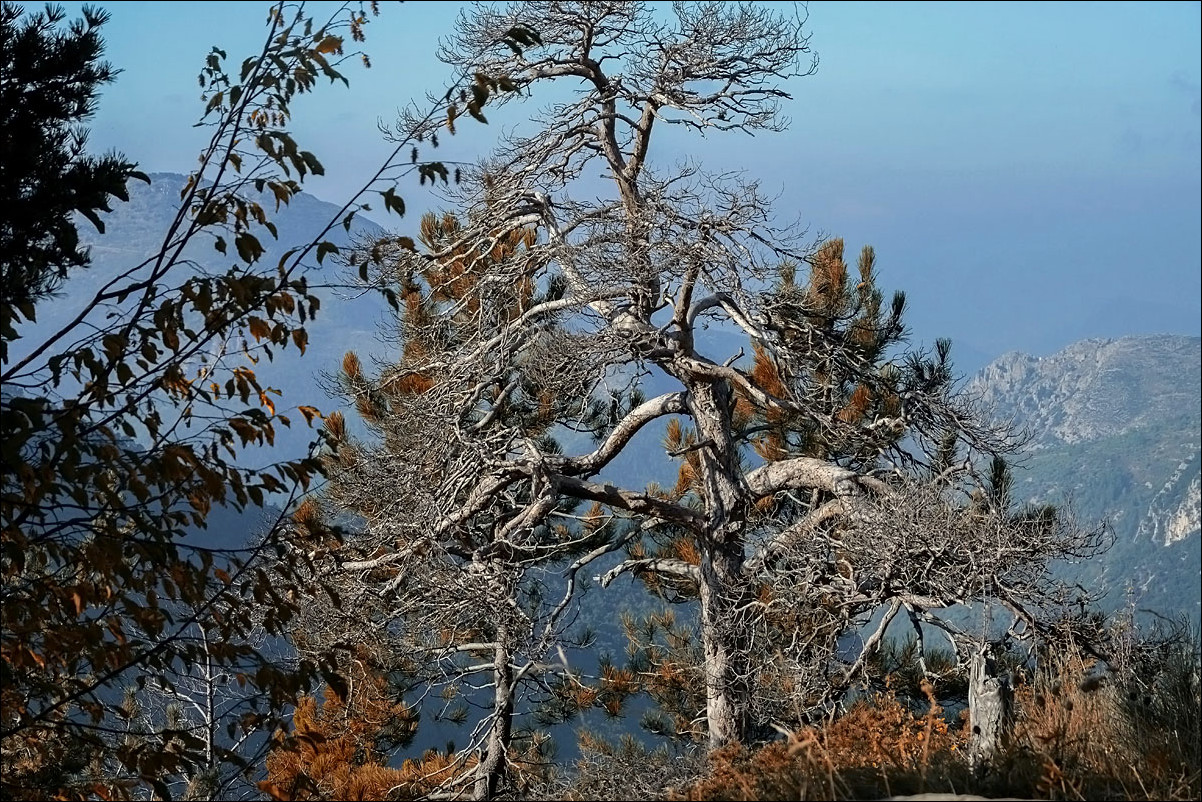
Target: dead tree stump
{"points": [[989, 710]]}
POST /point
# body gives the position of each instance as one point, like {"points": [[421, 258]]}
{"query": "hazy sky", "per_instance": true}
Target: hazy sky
{"points": [[1028, 173]]}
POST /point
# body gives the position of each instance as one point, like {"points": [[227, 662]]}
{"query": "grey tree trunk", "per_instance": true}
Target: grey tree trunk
{"points": [[726, 664], [494, 759], [727, 680], [989, 710]]}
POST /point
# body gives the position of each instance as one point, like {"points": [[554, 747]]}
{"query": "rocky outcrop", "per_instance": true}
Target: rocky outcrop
{"points": [[1176, 510]]}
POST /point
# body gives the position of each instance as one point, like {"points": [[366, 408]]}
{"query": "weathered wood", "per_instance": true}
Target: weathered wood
{"points": [[989, 710], [494, 758]]}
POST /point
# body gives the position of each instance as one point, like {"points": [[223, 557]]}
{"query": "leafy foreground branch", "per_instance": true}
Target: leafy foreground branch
{"points": [[122, 427]]}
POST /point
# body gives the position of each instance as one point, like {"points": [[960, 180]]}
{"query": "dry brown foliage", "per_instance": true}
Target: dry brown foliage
{"points": [[1081, 733], [878, 748], [337, 749], [1085, 734]]}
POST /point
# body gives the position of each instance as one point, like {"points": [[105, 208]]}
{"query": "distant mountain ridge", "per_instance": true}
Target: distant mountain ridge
{"points": [[1116, 429], [1096, 388]]}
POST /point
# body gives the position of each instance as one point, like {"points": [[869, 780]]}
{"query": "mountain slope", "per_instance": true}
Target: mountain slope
{"points": [[1115, 428]]}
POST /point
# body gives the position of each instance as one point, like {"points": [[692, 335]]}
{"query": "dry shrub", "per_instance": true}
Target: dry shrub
{"points": [[335, 750], [878, 748], [1084, 733], [624, 770]]}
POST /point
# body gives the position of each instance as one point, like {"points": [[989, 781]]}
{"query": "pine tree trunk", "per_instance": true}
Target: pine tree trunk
{"points": [[494, 759], [989, 701], [722, 591], [726, 669]]}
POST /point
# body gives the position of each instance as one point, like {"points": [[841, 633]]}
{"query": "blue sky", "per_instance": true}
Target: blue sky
{"points": [[1028, 172]]}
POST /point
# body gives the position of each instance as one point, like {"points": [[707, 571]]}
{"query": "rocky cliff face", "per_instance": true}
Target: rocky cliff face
{"points": [[1173, 514], [1116, 433]]}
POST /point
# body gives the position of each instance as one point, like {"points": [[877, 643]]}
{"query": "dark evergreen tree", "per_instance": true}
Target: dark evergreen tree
{"points": [[49, 79]]}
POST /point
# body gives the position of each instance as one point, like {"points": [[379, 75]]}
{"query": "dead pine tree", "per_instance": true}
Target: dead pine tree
{"points": [[824, 471]]}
